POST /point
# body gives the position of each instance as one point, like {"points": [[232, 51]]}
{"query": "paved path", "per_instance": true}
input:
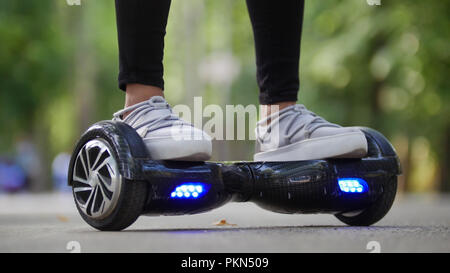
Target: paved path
{"points": [[47, 222]]}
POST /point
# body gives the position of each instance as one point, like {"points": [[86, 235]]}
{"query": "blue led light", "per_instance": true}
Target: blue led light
{"points": [[352, 185], [190, 190]]}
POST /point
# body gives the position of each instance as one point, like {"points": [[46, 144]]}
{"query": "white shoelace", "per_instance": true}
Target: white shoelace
{"points": [[293, 126], [140, 109]]}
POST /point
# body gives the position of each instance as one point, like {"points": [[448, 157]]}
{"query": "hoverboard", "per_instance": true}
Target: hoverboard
{"points": [[115, 180]]}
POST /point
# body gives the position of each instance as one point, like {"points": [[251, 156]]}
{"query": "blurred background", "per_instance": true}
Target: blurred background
{"points": [[386, 67]]}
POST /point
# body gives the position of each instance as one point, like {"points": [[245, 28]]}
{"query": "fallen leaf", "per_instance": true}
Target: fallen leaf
{"points": [[62, 218], [223, 222]]}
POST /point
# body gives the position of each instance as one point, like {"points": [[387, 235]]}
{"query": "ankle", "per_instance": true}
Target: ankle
{"points": [[137, 93], [269, 109]]}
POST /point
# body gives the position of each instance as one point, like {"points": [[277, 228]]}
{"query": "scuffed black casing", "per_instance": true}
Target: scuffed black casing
{"points": [[165, 176], [284, 187], [312, 186]]}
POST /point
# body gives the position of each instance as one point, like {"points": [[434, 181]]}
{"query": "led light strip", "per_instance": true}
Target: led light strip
{"points": [[352, 185], [189, 190]]}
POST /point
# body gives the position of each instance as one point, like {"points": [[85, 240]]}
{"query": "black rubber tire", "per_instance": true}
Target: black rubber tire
{"points": [[127, 211], [377, 210], [131, 199]]}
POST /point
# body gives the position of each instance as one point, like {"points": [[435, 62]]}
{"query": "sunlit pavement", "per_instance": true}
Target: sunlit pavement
{"points": [[48, 222]]}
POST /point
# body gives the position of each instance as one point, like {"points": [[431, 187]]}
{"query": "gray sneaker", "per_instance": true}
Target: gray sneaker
{"points": [[164, 133], [294, 133]]}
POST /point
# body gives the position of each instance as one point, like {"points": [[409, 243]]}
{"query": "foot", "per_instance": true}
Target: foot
{"points": [[294, 133], [166, 136]]}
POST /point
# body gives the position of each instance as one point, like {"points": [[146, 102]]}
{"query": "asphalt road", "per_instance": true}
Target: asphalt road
{"points": [[50, 223]]}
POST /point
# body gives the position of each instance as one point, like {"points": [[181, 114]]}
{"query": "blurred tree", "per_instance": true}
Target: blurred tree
{"points": [[32, 69], [384, 67]]}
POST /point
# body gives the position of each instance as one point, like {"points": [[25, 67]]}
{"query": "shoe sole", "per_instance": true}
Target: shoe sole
{"points": [[187, 150], [348, 145]]}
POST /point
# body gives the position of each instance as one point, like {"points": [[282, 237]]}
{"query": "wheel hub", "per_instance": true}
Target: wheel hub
{"points": [[96, 179]]}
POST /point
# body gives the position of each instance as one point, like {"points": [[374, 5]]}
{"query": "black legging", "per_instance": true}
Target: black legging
{"points": [[277, 27]]}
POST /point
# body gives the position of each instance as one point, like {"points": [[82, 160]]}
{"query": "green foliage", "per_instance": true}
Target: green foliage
{"points": [[382, 66], [32, 64]]}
